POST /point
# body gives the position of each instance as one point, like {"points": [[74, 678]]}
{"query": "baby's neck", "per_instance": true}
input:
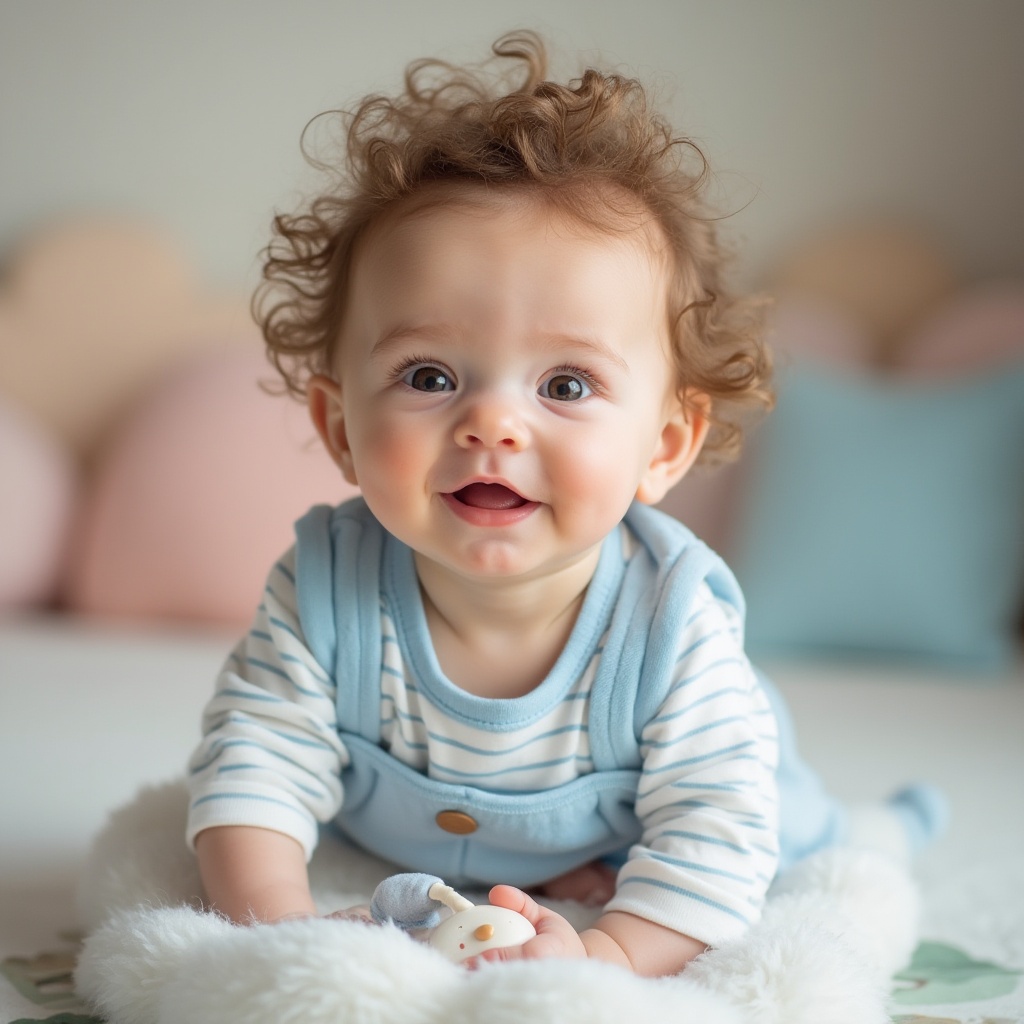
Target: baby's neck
{"points": [[500, 638]]}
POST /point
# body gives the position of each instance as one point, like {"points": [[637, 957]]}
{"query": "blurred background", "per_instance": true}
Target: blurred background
{"points": [[188, 113], [870, 156]]}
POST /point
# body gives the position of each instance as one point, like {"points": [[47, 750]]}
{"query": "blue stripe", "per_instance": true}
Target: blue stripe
{"points": [[300, 741], [262, 695], [407, 687], [582, 695], [657, 883], [699, 643], [294, 659], [285, 572], [693, 866], [226, 744], [696, 704], [756, 826], [694, 732], [720, 787], [267, 667], [317, 793], [281, 624], [409, 745], [679, 684], [302, 812], [713, 840], [275, 671], [700, 804], [405, 716], [703, 610], [260, 635], [437, 738], [211, 759], [504, 771], [685, 762]]}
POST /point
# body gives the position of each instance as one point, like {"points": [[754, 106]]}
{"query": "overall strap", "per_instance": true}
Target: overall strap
{"points": [[638, 661], [338, 564]]}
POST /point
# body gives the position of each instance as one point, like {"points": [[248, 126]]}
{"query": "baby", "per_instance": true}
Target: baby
{"points": [[499, 664]]}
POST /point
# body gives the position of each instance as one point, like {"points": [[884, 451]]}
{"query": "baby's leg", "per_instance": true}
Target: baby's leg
{"points": [[900, 826], [811, 819], [591, 884]]}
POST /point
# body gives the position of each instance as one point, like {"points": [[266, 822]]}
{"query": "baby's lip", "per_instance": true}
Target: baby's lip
{"points": [[494, 496]]}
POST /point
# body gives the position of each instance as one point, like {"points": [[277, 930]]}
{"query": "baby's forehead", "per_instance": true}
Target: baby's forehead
{"points": [[600, 213]]}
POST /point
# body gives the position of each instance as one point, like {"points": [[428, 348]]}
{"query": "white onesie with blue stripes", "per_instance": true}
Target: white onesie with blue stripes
{"points": [[697, 804]]}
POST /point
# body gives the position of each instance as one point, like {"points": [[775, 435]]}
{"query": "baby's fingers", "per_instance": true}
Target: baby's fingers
{"points": [[555, 936], [511, 898]]}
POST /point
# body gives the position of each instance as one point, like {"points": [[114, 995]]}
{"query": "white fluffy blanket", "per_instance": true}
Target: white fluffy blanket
{"points": [[834, 931]]}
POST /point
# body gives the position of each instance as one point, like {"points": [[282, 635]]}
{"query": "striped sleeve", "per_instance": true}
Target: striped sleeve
{"points": [[270, 755], [707, 798]]}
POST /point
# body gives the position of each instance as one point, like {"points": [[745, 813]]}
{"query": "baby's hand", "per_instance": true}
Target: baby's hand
{"points": [[555, 936]]}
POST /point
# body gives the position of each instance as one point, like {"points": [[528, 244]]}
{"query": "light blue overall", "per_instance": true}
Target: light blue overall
{"points": [[345, 561]]}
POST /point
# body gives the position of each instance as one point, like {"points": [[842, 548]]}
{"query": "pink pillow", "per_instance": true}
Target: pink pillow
{"points": [[975, 330], [804, 328], [36, 509], [195, 497]]}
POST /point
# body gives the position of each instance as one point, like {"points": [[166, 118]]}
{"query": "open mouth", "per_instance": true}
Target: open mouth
{"points": [[495, 497]]}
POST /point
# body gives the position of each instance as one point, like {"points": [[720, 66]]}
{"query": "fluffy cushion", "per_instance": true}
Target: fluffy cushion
{"points": [[196, 496], [883, 276], [36, 508], [94, 311], [977, 328], [887, 516]]}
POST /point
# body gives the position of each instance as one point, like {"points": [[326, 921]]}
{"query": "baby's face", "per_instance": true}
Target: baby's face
{"points": [[505, 385]]}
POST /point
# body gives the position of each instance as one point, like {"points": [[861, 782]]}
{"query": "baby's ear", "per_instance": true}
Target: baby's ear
{"points": [[682, 438], [323, 396]]}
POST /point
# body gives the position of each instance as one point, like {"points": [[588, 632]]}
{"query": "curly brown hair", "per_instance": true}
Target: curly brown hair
{"points": [[592, 148]]}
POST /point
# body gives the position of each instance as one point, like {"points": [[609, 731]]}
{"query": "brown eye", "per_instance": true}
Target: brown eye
{"points": [[429, 378], [564, 387]]}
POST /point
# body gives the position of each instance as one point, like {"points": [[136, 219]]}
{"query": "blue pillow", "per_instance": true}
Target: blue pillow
{"points": [[887, 517]]}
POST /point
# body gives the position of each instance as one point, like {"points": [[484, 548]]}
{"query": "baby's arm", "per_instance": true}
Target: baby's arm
{"points": [[253, 874], [640, 946], [707, 802], [268, 768]]}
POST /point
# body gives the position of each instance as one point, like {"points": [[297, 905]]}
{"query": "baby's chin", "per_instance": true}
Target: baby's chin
{"points": [[505, 563]]}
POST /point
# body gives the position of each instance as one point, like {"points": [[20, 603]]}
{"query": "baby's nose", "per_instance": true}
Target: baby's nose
{"points": [[492, 423]]}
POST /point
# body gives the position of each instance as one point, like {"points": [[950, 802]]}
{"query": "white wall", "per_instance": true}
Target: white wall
{"points": [[189, 111]]}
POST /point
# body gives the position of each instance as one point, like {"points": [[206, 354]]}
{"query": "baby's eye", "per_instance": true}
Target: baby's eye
{"points": [[565, 387], [429, 378]]}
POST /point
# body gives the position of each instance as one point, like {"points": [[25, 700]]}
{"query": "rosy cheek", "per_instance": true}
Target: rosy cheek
{"points": [[397, 453], [586, 462]]}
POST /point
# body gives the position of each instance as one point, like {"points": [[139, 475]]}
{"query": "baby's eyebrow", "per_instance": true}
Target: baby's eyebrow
{"points": [[412, 332], [586, 345], [557, 341]]}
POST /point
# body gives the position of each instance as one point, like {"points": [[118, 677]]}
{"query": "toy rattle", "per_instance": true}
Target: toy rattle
{"points": [[412, 902]]}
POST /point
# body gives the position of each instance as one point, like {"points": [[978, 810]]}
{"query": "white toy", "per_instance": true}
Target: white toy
{"points": [[411, 901]]}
